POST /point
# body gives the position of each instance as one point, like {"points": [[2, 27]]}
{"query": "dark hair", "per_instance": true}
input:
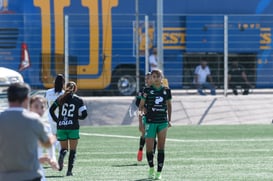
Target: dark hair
{"points": [[71, 87], [158, 72], [18, 92], [59, 83]]}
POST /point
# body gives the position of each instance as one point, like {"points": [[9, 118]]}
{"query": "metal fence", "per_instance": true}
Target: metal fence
{"points": [[99, 52]]}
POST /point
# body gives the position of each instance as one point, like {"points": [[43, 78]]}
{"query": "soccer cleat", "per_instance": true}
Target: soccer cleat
{"points": [[61, 162], [151, 174], [158, 176], [69, 173], [139, 155]]}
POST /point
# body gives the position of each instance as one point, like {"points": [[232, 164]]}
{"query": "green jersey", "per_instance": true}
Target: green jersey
{"points": [[156, 103]]}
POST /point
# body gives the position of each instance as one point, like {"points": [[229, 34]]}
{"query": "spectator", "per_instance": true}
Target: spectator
{"points": [[201, 74], [20, 132], [238, 77], [153, 60], [37, 104]]}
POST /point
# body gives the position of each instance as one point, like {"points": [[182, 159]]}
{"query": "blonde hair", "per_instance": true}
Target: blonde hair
{"points": [[35, 98]]}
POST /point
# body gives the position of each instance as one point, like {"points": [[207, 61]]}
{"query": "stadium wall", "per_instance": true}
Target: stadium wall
{"points": [[187, 110]]}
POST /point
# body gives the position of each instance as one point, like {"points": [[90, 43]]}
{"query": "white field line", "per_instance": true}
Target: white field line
{"points": [[182, 140]]}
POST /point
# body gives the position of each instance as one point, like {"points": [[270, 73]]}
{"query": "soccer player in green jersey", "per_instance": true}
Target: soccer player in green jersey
{"points": [[156, 105], [71, 109], [141, 118]]}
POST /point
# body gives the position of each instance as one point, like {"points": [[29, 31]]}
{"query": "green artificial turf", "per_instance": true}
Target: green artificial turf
{"points": [[237, 152]]}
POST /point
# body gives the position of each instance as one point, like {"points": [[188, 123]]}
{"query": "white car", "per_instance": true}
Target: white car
{"points": [[7, 77]]}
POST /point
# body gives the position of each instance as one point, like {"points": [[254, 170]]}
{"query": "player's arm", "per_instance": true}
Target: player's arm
{"points": [[49, 142], [142, 103], [169, 106], [83, 112], [52, 109], [169, 111], [137, 102], [140, 114]]}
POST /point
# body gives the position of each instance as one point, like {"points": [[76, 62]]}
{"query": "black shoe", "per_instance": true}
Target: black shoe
{"points": [[235, 92], [245, 92], [69, 173], [61, 162]]}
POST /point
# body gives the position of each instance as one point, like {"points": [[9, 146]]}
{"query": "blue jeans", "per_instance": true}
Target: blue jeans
{"points": [[206, 85]]}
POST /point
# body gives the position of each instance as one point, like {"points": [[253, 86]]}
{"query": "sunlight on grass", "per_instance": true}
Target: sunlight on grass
{"points": [[192, 153]]}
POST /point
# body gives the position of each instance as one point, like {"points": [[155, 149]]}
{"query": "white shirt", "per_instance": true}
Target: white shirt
{"points": [[202, 74], [153, 61], [51, 96]]}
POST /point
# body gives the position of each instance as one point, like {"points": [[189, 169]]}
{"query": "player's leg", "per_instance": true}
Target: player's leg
{"points": [[72, 155], [64, 150], [161, 136], [141, 139], [73, 143], [150, 156], [140, 149], [150, 134], [62, 137], [155, 144]]}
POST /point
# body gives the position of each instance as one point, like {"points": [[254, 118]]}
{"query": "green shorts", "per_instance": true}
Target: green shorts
{"points": [[151, 129], [63, 134]]}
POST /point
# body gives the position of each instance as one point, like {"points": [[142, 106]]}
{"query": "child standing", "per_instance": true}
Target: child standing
{"points": [[38, 105]]}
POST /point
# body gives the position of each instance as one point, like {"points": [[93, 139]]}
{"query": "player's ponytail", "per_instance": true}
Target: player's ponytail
{"points": [[71, 87]]}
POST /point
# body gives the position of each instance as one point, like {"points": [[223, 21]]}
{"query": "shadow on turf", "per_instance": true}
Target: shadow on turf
{"points": [[130, 165], [134, 165], [55, 176], [52, 176]]}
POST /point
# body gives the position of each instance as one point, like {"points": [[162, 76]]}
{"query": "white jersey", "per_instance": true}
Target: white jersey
{"points": [[51, 96]]}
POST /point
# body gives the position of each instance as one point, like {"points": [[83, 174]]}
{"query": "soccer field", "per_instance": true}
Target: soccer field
{"points": [[239, 152]]}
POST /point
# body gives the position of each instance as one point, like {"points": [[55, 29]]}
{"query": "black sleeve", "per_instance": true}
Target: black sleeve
{"points": [[82, 108], [145, 92], [138, 99], [52, 109], [84, 114], [169, 94]]}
